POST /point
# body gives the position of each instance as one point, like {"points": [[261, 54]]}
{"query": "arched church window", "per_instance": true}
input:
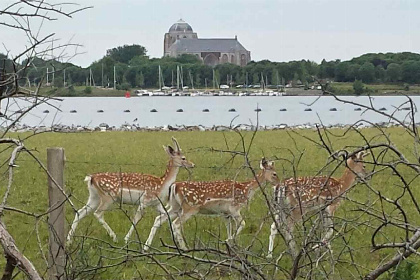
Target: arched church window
{"points": [[225, 58], [211, 60], [243, 60]]}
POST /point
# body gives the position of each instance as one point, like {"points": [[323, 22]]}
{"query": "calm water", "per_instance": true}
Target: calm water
{"points": [[114, 107]]}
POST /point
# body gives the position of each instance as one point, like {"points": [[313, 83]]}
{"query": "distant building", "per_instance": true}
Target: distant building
{"points": [[181, 39]]}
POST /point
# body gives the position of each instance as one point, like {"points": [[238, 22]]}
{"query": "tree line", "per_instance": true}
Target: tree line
{"points": [[134, 69]]}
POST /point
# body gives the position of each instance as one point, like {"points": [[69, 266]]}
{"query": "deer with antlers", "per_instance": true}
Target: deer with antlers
{"points": [[222, 198], [295, 197], [130, 188]]}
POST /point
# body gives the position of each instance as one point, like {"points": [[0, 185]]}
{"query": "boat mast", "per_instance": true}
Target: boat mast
{"points": [[160, 78], [191, 79], [182, 79], [115, 82], [246, 81], [214, 82], [161, 75], [177, 77]]}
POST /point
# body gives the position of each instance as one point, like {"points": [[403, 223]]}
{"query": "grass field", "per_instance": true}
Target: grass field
{"points": [[88, 153]]}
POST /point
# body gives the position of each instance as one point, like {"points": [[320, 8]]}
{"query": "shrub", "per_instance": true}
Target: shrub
{"points": [[87, 90], [123, 86], [358, 87], [406, 271], [71, 91]]}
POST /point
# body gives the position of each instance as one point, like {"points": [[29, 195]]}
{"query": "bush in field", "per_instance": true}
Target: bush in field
{"points": [[87, 90], [123, 86], [358, 87]]}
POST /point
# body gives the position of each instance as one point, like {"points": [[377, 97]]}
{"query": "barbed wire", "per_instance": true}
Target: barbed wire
{"points": [[283, 169]]}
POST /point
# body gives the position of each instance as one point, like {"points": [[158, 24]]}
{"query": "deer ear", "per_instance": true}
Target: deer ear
{"points": [[271, 164], [365, 154], [169, 150], [362, 154], [263, 163]]}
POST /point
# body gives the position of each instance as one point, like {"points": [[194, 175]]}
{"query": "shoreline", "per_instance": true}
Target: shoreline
{"points": [[241, 127], [338, 89]]}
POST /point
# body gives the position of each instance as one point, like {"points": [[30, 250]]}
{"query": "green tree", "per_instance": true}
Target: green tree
{"points": [[394, 72], [131, 76], [140, 80], [411, 71], [188, 59], [380, 73], [367, 72], [327, 68], [256, 79], [125, 53], [341, 72], [352, 72]]}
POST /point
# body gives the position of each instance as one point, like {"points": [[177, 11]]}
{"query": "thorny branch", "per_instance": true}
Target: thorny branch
{"points": [[22, 17]]}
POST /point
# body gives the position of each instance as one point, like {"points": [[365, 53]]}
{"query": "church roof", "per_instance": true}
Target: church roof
{"points": [[207, 45], [181, 26]]}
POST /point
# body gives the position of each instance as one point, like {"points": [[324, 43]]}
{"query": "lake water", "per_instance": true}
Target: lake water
{"points": [[113, 110]]}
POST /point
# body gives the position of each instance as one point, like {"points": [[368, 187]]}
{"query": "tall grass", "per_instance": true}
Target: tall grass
{"points": [[88, 153]]}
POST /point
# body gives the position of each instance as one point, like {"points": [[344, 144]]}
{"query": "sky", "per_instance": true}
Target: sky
{"points": [[277, 30]]}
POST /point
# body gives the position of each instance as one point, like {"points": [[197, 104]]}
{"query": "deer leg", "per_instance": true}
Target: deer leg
{"points": [[159, 220], [177, 226], [90, 206], [327, 222], [137, 217], [228, 228], [99, 214], [273, 232], [238, 221], [287, 224]]}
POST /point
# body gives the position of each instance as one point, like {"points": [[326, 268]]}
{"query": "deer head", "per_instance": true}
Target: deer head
{"points": [[268, 172], [178, 159], [355, 164]]}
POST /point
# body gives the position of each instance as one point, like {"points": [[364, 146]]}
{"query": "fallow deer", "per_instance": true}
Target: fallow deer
{"points": [[295, 197], [130, 188], [221, 198]]}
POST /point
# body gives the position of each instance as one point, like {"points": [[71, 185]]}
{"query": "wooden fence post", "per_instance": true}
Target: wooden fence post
{"points": [[56, 218]]}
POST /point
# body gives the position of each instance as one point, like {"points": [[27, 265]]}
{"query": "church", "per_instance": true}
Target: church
{"points": [[181, 39]]}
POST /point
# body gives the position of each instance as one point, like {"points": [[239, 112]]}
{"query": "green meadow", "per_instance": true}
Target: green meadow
{"points": [[95, 256]]}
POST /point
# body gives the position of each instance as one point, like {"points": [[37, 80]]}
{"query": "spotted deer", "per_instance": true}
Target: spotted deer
{"points": [[221, 198], [295, 197], [130, 188]]}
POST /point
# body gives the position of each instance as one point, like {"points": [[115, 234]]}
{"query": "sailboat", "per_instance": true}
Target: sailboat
{"points": [[176, 93], [159, 92]]}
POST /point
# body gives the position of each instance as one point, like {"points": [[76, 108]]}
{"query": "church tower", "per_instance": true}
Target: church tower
{"points": [[179, 30]]}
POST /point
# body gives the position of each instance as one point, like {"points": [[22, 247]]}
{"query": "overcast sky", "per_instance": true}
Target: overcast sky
{"points": [[281, 30]]}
